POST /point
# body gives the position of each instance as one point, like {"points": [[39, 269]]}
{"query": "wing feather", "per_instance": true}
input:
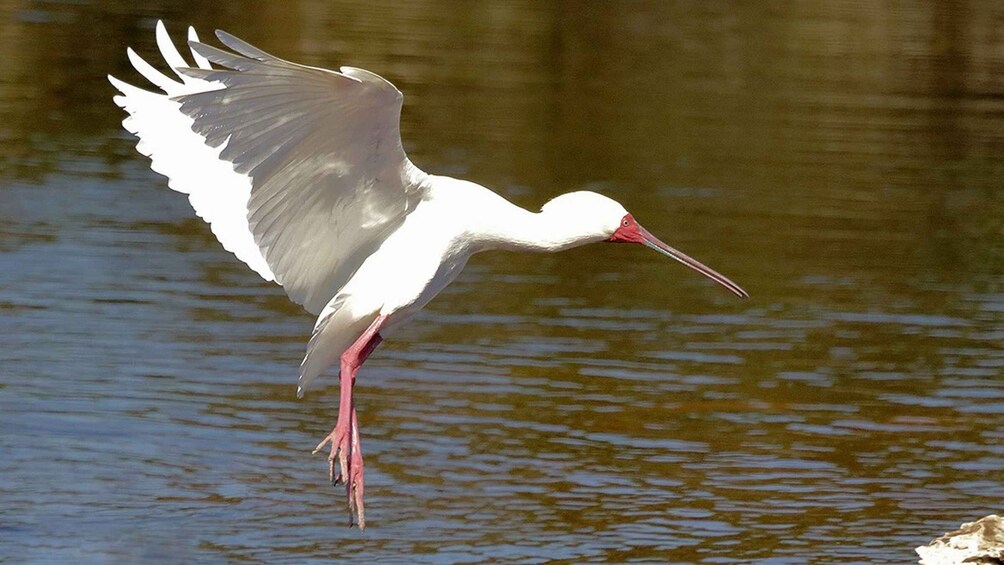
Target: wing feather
{"points": [[167, 49], [299, 170], [200, 61], [217, 193], [244, 48], [330, 179]]}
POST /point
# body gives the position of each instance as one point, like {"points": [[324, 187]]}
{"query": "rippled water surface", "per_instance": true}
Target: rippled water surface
{"points": [[844, 164]]}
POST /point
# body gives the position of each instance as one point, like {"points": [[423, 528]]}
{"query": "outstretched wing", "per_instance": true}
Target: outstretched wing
{"points": [[319, 152], [217, 193]]}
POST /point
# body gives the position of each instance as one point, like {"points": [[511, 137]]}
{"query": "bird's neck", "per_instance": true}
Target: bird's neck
{"points": [[492, 222], [512, 228]]}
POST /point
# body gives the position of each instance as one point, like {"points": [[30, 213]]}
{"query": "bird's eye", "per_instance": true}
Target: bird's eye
{"points": [[625, 223]]}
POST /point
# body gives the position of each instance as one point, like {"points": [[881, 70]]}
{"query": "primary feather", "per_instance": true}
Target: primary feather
{"points": [[299, 170], [217, 193]]}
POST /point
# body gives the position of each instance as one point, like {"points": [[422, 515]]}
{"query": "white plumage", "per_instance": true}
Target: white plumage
{"points": [[216, 191], [300, 173]]}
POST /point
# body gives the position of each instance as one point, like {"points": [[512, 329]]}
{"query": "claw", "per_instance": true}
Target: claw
{"points": [[346, 449], [331, 466], [320, 445]]}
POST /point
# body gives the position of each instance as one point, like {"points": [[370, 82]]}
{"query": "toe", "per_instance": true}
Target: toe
{"points": [[357, 496], [343, 466], [321, 445]]}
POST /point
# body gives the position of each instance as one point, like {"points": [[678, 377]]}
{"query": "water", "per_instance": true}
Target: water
{"points": [[842, 163]]}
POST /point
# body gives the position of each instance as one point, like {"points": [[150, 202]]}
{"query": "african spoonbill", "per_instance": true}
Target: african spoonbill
{"points": [[301, 174]]}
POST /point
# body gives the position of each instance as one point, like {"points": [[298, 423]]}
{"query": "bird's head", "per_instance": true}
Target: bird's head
{"points": [[606, 220]]}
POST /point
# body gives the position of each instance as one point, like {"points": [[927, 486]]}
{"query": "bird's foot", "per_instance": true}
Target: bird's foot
{"points": [[347, 450]]}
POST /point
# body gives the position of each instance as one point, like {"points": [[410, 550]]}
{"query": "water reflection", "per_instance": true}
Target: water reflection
{"points": [[842, 162]]}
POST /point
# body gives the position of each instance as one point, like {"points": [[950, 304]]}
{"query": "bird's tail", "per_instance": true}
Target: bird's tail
{"points": [[336, 329]]}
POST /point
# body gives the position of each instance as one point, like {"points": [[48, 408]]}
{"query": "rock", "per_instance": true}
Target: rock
{"points": [[975, 543]]}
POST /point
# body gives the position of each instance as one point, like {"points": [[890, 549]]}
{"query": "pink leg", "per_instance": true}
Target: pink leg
{"points": [[344, 438]]}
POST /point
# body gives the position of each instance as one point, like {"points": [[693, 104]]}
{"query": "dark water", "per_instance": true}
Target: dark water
{"points": [[844, 164]]}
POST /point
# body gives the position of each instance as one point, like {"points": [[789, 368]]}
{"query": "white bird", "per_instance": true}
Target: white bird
{"points": [[301, 174]]}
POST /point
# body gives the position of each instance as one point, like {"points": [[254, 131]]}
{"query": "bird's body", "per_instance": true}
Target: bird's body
{"points": [[300, 173], [454, 220], [411, 266]]}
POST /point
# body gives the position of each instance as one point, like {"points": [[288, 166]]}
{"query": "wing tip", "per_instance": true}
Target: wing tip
{"points": [[118, 99], [199, 47], [123, 87], [200, 61]]}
